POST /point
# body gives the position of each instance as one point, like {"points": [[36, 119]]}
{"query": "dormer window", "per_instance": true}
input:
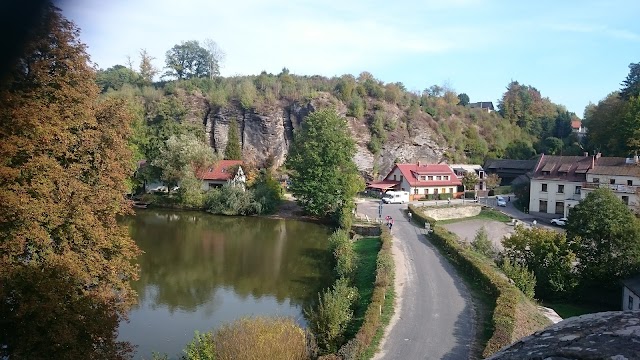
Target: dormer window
{"points": [[430, 177], [446, 177], [438, 177]]}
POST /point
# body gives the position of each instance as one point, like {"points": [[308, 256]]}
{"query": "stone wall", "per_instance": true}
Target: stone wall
{"points": [[447, 212]]}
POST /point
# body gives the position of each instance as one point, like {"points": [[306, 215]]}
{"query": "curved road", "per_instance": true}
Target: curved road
{"points": [[435, 319]]}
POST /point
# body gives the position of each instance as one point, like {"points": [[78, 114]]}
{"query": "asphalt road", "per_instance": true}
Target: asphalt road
{"points": [[436, 318]]}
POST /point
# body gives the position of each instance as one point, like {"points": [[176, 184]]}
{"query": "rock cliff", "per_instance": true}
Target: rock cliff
{"points": [[266, 133]]}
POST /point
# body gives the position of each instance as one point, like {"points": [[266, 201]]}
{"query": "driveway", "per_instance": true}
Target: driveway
{"points": [[434, 316]]}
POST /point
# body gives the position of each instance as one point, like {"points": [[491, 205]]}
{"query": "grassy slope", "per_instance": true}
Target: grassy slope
{"points": [[485, 214]]}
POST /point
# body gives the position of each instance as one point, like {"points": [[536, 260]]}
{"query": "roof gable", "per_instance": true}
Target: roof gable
{"points": [[221, 171], [412, 171]]}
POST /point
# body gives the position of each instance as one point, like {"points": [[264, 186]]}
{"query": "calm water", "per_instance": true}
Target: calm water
{"points": [[199, 271]]}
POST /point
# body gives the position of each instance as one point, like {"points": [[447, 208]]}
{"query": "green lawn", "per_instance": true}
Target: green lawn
{"points": [[365, 276], [567, 310], [485, 213]]}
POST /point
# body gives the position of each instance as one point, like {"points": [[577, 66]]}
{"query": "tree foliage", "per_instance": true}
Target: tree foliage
{"points": [[470, 180], [463, 99], [519, 150], [605, 237], [233, 150], [493, 181], [631, 85], [482, 244], [182, 154], [324, 177], [65, 263], [188, 60], [548, 255], [115, 77]]}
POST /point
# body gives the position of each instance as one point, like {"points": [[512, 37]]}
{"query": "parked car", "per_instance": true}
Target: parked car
{"points": [[500, 201], [560, 221]]}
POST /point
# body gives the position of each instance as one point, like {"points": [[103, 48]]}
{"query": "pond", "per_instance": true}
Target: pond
{"points": [[199, 271]]}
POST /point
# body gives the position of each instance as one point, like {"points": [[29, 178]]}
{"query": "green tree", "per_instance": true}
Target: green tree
{"points": [[188, 60], [519, 150], [548, 255], [631, 85], [562, 125], [603, 121], [116, 77], [605, 237], [553, 145], [522, 278], [324, 178], [463, 99], [483, 245], [65, 262], [470, 180], [182, 154], [233, 150]]}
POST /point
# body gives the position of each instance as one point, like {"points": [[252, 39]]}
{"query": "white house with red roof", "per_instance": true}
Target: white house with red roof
{"points": [[420, 180], [223, 172]]}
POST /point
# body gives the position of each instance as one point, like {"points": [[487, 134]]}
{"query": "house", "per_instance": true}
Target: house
{"points": [[578, 129], [631, 294], [507, 169], [420, 180], [224, 171], [622, 175], [556, 183], [484, 105], [461, 169]]}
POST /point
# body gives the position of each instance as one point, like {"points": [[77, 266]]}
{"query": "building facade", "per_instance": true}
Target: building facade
{"points": [[621, 175], [631, 294], [461, 169], [224, 171], [435, 181]]}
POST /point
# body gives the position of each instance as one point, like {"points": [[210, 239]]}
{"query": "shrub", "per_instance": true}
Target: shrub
{"points": [[201, 347], [482, 245], [267, 191], [333, 313], [524, 279], [231, 200], [343, 253], [420, 217]]}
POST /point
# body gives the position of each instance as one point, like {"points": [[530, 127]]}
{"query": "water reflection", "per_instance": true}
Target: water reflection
{"points": [[199, 271]]}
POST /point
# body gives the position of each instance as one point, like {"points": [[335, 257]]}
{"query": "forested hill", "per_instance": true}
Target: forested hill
{"points": [[388, 122]]}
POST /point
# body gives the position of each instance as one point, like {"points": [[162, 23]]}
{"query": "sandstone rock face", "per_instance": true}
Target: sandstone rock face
{"points": [[266, 133], [609, 335]]}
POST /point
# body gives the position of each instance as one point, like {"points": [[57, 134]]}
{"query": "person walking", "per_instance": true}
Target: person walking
{"points": [[390, 223]]}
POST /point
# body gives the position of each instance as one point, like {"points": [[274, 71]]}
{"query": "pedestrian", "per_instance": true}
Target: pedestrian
{"points": [[410, 215], [509, 197], [534, 223], [387, 219], [449, 201], [390, 223]]}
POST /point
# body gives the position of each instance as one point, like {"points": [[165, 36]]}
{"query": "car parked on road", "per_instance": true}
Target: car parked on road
{"points": [[559, 221], [500, 201]]}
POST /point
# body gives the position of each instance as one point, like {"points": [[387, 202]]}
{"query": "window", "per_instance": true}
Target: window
{"points": [[625, 200], [444, 190], [446, 177], [423, 178], [430, 177], [415, 191], [451, 190], [560, 208], [612, 181], [401, 178], [560, 189], [438, 177], [394, 177], [630, 306], [543, 206], [629, 182], [544, 187], [578, 189], [596, 180]]}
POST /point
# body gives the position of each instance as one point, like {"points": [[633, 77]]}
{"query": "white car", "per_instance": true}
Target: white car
{"points": [[560, 221], [500, 201]]}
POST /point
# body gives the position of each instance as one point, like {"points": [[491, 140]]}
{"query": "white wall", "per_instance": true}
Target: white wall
{"points": [[568, 197], [626, 293], [620, 188]]}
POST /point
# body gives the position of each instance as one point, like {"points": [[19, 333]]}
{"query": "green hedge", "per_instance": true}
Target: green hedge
{"points": [[508, 299], [419, 217], [364, 339]]}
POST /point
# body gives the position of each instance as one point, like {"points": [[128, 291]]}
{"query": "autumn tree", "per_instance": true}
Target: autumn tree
{"points": [[324, 178], [183, 154], [493, 181], [65, 262], [147, 70], [233, 150]]}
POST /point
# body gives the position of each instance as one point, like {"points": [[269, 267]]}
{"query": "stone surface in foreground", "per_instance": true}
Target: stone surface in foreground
{"points": [[607, 335]]}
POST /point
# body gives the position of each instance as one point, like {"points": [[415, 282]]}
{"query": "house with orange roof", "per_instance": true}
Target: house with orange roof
{"points": [[435, 181], [224, 171], [578, 129]]}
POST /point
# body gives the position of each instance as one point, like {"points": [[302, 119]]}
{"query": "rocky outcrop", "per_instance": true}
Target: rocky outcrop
{"points": [[266, 133], [609, 335]]}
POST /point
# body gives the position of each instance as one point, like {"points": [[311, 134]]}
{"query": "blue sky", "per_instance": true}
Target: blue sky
{"points": [[574, 52]]}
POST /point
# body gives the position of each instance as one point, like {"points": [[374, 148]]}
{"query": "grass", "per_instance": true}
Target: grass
{"points": [[567, 310], [485, 214], [364, 278], [387, 313]]}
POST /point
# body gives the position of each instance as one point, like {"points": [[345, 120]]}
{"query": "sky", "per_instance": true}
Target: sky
{"points": [[573, 51]]}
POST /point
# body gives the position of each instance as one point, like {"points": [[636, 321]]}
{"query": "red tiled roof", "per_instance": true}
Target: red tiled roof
{"points": [[409, 171], [221, 170], [383, 185], [576, 124]]}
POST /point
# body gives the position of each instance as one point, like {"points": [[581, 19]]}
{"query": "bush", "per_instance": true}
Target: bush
{"points": [[469, 195], [231, 200], [445, 196], [333, 313], [343, 252], [253, 338], [267, 191], [482, 245], [420, 217], [524, 279]]}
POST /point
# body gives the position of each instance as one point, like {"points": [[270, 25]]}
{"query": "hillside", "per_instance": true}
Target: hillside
{"points": [[387, 122]]}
